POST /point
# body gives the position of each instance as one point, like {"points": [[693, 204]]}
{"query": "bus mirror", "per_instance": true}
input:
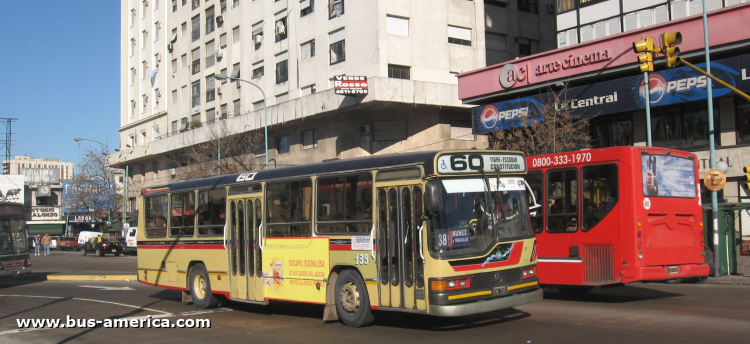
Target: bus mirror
{"points": [[432, 196]]}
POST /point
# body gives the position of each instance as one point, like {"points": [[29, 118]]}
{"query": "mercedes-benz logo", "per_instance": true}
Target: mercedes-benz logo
{"points": [[499, 277]]}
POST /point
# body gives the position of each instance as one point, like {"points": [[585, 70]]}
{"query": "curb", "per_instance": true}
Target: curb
{"points": [[92, 277]]}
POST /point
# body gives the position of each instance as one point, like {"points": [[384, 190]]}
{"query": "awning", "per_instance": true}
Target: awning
{"points": [[52, 229]]}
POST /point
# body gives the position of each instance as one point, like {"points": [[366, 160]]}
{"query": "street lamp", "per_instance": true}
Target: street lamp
{"points": [[265, 109], [106, 171]]}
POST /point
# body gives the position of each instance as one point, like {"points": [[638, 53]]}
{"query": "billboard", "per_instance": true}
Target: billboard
{"points": [[11, 188], [672, 86], [87, 196], [350, 85], [41, 175]]}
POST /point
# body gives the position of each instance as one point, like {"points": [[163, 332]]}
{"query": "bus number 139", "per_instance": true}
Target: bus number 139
{"points": [[362, 259]]}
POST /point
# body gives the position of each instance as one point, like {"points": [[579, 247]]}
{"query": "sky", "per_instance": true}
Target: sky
{"points": [[59, 76]]}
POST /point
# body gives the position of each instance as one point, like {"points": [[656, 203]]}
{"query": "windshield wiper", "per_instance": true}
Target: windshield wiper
{"points": [[487, 198]]}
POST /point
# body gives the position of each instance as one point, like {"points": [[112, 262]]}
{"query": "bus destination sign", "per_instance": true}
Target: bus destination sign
{"points": [[475, 162]]}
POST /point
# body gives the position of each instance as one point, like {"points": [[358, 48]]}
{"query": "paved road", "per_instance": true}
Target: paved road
{"points": [[635, 313], [73, 262]]}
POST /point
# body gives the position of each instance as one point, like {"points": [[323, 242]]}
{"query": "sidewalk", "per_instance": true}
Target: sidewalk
{"points": [[742, 277]]}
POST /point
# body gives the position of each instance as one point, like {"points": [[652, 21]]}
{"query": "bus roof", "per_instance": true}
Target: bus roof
{"points": [[332, 166]]}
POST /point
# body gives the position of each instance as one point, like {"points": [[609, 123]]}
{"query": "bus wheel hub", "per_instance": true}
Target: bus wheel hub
{"points": [[350, 297]]}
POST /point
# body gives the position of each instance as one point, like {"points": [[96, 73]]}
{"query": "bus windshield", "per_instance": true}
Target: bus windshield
{"points": [[12, 236], [477, 214]]}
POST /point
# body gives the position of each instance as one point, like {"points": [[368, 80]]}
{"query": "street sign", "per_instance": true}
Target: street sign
{"points": [[715, 179]]}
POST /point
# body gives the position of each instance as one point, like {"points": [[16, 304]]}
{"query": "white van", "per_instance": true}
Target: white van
{"points": [[84, 236], [131, 244]]}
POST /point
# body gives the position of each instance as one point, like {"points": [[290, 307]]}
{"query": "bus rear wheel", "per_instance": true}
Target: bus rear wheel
{"points": [[352, 301], [200, 288]]}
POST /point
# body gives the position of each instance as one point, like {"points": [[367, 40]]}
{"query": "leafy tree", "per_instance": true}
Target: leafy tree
{"points": [[92, 190], [550, 129]]}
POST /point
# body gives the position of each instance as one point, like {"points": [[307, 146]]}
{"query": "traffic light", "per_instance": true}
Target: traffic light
{"points": [[671, 51], [746, 169], [645, 46]]}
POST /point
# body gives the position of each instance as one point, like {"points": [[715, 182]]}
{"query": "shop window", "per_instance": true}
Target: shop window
{"points": [[742, 120], [682, 125]]}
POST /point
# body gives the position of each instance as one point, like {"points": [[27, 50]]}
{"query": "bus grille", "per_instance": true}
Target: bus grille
{"points": [[598, 263], [491, 279]]}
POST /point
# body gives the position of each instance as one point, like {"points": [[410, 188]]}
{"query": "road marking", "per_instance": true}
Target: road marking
{"points": [[105, 288]]}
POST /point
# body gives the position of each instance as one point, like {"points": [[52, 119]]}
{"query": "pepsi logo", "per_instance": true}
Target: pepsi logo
{"points": [[657, 88], [489, 116]]}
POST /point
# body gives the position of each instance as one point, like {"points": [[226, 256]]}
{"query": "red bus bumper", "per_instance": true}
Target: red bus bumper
{"points": [[662, 273]]}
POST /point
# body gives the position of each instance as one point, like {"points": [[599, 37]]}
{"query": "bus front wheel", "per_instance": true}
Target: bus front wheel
{"points": [[200, 288], [352, 302]]}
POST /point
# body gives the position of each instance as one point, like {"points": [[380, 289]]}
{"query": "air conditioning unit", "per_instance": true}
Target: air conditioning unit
{"points": [[219, 53], [170, 46], [551, 8], [258, 39], [173, 171], [218, 90], [219, 19], [280, 29], [158, 58], [363, 129]]}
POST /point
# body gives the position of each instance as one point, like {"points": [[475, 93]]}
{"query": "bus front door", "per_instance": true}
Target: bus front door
{"points": [[400, 276], [243, 249]]}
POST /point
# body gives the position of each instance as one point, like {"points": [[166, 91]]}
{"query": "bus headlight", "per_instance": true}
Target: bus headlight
{"points": [[529, 272]]}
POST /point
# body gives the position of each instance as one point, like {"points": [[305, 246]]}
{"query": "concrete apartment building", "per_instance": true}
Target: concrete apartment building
{"points": [[410, 51]]}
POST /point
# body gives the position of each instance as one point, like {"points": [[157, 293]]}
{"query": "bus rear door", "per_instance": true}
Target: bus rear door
{"points": [[243, 249], [400, 265]]}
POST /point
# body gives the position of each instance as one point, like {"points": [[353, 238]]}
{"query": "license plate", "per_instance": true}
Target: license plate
{"points": [[113, 250], [500, 290]]}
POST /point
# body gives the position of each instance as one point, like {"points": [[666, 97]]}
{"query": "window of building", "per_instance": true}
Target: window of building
{"points": [[195, 24], [184, 60], [144, 6], [132, 17], [289, 209], [307, 50], [527, 46], [182, 219], [174, 65], [562, 200], [223, 41], [236, 72], [461, 130], [174, 96], [144, 39], [397, 26], [337, 49], [144, 99], [459, 35], [344, 204], [210, 20], [258, 106], [131, 140], [742, 120], [389, 131], [132, 75], [224, 72], [236, 34], [496, 41], [132, 46], [196, 4], [157, 97], [236, 105], [280, 29], [157, 29], [335, 8], [399, 72], [282, 71], [611, 131], [155, 169], [196, 65], [499, 3], [584, 3], [184, 29], [531, 6], [223, 5], [257, 33], [132, 108], [174, 126], [210, 53], [184, 93], [174, 5], [280, 98], [257, 70], [682, 125], [143, 138], [283, 144], [307, 90], [599, 193], [196, 94], [210, 115], [306, 7], [308, 139], [196, 118], [210, 88], [223, 111], [235, 3]]}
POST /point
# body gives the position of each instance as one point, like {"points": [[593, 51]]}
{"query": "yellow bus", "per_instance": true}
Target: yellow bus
{"points": [[443, 233]]}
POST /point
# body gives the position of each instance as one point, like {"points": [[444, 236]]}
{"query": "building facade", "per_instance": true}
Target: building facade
{"points": [[292, 50]]}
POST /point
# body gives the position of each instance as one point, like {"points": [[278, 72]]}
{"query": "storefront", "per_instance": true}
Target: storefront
{"points": [[600, 80]]}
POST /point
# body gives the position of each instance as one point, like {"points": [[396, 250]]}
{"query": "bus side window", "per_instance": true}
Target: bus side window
{"points": [[599, 191], [211, 211], [562, 200], [534, 179], [156, 220], [289, 206]]}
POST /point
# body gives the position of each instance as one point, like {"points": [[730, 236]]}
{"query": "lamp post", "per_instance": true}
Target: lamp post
{"points": [[106, 171], [265, 109]]}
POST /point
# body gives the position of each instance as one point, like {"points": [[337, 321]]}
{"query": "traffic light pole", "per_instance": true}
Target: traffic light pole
{"points": [[647, 96], [734, 89]]}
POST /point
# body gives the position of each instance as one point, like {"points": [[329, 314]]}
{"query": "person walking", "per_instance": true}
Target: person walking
{"points": [[45, 242], [37, 244]]}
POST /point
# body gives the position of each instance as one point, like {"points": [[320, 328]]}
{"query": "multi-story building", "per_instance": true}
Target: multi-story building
{"points": [[409, 51], [43, 189]]}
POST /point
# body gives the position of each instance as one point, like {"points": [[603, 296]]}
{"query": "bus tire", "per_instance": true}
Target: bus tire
{"points": [[674, 281], [83, 252], [200, 288], [352, 301]]}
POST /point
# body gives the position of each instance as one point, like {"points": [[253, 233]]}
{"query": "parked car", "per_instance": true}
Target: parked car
{"points": [[67, 243], [102, 245], [53, 242], [131, 245]]}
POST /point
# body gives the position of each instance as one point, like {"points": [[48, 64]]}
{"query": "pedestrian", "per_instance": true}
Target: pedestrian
{"points": [[45, 242], [37, 244]]}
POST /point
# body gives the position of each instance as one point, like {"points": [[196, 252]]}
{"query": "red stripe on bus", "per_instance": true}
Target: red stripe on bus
{"points": [[340, 247], [515, 258], [182, 247], [289, 300]]}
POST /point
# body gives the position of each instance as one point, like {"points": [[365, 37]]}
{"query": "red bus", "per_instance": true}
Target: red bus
{"points": [[617, 215]]}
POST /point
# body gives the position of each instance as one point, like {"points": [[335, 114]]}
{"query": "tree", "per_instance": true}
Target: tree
{"points": [[92, 190], [198, 160], [549, 129]]}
